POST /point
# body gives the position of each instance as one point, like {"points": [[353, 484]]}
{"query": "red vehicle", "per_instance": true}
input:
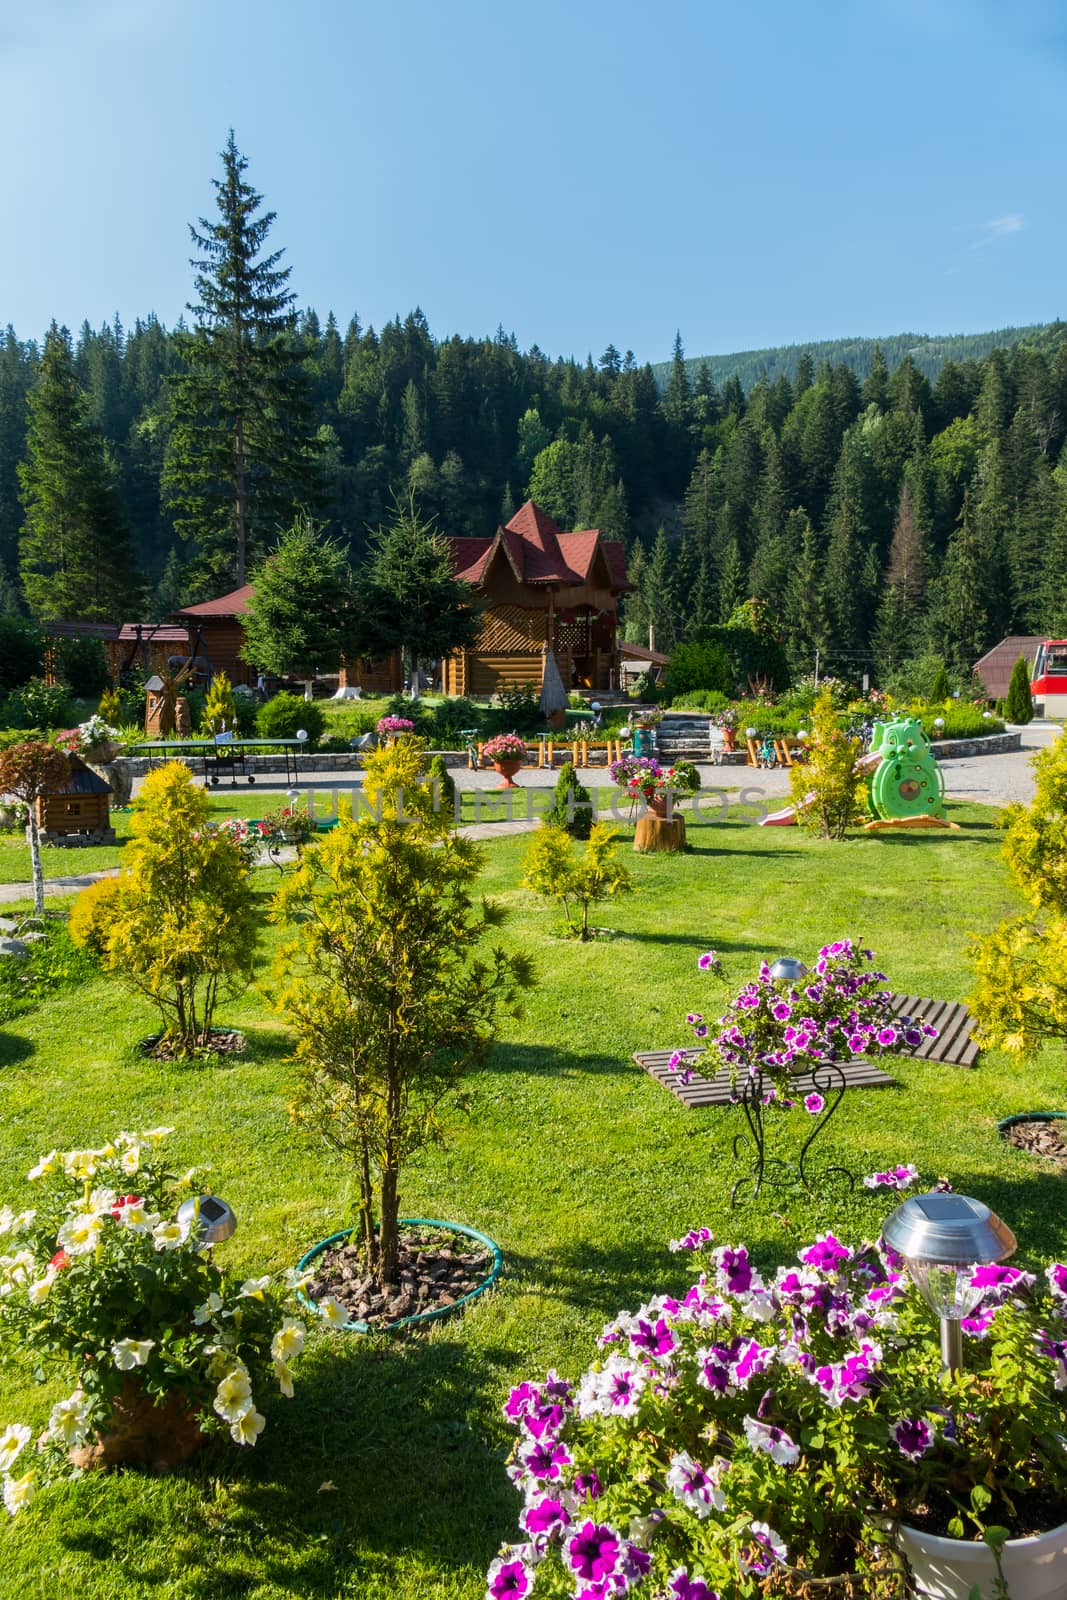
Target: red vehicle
{"points": [[1048, 679]]}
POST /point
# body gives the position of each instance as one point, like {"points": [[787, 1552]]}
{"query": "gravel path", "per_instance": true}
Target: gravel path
{"points": [[981, 780]]}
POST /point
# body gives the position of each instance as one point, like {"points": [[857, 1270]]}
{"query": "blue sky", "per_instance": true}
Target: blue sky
{"points": [[582, 172]]}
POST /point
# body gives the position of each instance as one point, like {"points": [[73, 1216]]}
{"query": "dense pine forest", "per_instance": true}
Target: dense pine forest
{"points": [[879, 517]]}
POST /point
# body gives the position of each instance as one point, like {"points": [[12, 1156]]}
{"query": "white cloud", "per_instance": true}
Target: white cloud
{"points": [[998, 228]]}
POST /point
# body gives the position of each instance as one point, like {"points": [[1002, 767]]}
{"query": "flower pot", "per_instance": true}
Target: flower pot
{"points": [[657, 804], [729, 739], [507, 770], [142, 1433], [436, 1313], [949, 1569]]}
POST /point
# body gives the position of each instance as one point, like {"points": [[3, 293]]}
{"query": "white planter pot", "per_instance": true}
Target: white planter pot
{"points": [[949, 1569]]}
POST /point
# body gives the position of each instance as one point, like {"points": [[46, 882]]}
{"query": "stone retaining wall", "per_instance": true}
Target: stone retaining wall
{"points": [[138, 766], [990, 744]]}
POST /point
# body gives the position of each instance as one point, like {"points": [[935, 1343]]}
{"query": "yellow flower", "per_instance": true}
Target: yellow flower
{"points": [[38, 1292], [333, 1312], [19, 1492], [67, 1421], [285, 1379], [13, 1441], [289, 1340], [130, 1353], [156, 1135], [44, 1167], [234, 1394], [248, 1426]]}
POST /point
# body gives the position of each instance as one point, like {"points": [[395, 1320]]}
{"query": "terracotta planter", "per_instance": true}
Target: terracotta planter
{"points": [[951, 1569], [507, 770], [657, 804], [729, 739], [157, 1436]]}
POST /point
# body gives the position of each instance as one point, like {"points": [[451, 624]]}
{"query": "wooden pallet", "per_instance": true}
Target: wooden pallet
{"points": [[953, 1045], [716, 1091]]}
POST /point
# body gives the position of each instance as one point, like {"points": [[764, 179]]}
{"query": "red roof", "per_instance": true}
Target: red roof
{"points": [[538, 552], [637, 652], [234, 604]]}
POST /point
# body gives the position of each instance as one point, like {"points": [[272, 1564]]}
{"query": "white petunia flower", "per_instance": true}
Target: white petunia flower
{"points": [[774, 1442], [289, 1340], [7, 1220], [45, 1167], [296, 1279], [67, 1421], [130, 1353], [252, 1288], [234, 1393], [101, 1200], [15, 1270], [19, 1492], [130, 1160], [39, 1290], [333, 1312], [169, 1235], [248, 1426], [80, 1235], [205, 1312], [13, 1440], [284, 1377], [80, 1163], [134, 1216], [156, 1136]]}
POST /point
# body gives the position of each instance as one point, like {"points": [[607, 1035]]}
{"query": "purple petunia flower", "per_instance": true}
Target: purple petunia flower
{"points": [[508, 1579], [545, 1516], [587, 1483], [594, 1550], [546, 1460], [734, 1270], [763, 1552], [814, 1103], [826, 1254], [887, 1037], [781, 1011], [894, 1178], [1057, 1280], [912, 1436], [709, 961], [680, 1586], [774, 1442]]}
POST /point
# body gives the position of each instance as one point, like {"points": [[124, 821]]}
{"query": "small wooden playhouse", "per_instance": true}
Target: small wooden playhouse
{"points": [[76, 812]]}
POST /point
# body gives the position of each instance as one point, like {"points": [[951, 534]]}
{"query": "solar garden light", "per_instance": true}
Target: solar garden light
{"points": [[942, 1238], [802, 733], [789, 968], [212, 1218], [750, 733], [939, 723], [302, 734]]}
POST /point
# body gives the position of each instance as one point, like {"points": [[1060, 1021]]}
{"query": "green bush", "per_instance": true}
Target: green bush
{"points": [[39, 705], [281, 717], [333, 744], [701, 664], [752, 656], [572, 808], [702, 700], [686, 778], [962, 721], [1019, 706], [440, 775], [517, 709], [453, 718], [21, 652], [82, 665], [416, 711]]}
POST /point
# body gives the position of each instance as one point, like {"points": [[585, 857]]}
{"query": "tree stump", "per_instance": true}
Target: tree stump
{"points": [[656, 833]]}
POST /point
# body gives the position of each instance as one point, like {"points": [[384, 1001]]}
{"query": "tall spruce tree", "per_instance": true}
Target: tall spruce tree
{"points": [[243, 447], [75, 554]]}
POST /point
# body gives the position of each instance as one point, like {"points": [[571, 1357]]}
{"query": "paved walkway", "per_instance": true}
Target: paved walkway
{"points": [[981, 780]]}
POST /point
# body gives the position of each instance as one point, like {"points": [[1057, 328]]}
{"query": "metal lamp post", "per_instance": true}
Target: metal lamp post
{"points": [[942, 1237], [212, 1218]]}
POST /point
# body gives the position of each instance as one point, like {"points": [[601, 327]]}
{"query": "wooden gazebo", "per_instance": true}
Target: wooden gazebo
{"points": [[539, 587]]}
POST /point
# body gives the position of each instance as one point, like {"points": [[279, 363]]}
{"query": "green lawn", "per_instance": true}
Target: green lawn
{"points": [[577, 1163]]}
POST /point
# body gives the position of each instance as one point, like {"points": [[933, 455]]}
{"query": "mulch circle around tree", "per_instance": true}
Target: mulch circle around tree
{"points": [[437, 1268], [1040, 1138], [219, 1042]]}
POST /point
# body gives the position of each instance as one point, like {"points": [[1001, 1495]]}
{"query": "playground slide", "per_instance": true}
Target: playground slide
{"points": [[786, 818]]}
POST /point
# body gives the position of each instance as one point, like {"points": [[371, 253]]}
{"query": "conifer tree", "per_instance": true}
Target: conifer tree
{"points": [[659, 595], [805, 614], [961, 628], [242, 455], [301, 618], [1019, 705], [75, 555], [731, 581]]}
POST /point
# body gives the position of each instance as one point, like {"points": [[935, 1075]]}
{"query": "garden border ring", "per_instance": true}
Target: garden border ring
{"points": [[436, 1313]]}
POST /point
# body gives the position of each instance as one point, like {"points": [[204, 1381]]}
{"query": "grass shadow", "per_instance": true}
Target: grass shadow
{"points": [[541, 1062], [14, 1048]]}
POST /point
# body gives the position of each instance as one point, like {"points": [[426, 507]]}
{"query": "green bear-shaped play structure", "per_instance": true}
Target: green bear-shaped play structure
{"points": [[907, 781]]}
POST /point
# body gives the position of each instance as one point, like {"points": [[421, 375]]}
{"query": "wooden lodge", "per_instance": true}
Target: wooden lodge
{"points": [[217, 634], [77, 811], [539, 587]]}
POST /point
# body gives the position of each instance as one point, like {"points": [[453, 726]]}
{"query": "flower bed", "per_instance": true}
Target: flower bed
{"points": [[756, 1429]]}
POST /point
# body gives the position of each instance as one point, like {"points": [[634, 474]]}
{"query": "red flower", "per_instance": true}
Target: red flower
{"points": [[60, 1259], [126, 1200]]}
